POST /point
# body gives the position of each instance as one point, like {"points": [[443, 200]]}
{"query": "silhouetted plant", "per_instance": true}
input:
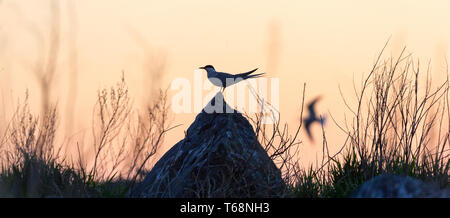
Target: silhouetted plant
{"points": [[30, 165], [389, 132]]}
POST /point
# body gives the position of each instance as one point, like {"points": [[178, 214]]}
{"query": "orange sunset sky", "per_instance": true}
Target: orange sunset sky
{"points": [[324, 44]]}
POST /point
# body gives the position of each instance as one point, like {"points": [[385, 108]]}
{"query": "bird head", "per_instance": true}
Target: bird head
{"points": [[210, 67]]}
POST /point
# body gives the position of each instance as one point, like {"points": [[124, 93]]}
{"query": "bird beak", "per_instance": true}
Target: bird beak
{"points": [[201, 68]]}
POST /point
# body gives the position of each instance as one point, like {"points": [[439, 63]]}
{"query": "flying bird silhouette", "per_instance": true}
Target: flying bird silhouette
{"points": [[312, 117], [224, 80]]}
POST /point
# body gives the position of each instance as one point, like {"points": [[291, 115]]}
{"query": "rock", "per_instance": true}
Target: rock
{"points": [[393, 186], [220, 156]]}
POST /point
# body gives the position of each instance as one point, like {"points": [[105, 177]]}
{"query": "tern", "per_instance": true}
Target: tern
{"points": [[312, 117], [224, 80]]}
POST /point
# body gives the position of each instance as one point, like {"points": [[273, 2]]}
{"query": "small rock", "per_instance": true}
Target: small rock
{"points": [[393, 186]]}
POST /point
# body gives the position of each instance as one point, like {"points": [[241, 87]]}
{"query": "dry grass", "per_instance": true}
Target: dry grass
{"points": [[390, 132], [122, 148]]}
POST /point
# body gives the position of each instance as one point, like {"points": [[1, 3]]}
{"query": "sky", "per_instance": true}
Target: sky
{"points": [[325, 44]]}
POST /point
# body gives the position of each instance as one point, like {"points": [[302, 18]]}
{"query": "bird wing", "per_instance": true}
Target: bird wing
{"points": [[308, 122], [312, 117], [223, 76], [311, 108], [245, 75]]}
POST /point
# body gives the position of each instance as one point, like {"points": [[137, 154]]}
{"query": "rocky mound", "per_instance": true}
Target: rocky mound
{"points": [[219, 157]]}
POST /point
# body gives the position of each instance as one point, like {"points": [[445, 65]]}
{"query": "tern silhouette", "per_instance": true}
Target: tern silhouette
{"points": [[312, 117], [224, 80]]}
